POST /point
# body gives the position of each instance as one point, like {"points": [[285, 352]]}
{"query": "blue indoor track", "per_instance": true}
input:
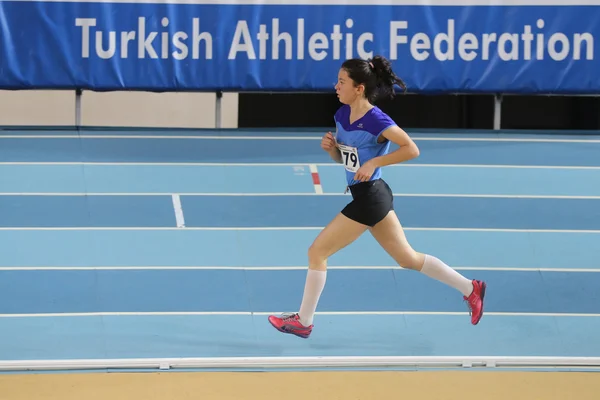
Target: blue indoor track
{"points": [[119, 244]]}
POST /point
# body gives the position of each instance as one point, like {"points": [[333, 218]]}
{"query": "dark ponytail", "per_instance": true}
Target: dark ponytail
{"points": [[386, 78], [377, 76]]}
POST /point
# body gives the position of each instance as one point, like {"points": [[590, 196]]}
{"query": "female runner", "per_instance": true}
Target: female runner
{"points": [[361, 144]]}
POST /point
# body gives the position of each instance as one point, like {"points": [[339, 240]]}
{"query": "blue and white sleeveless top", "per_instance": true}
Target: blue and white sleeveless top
{"points": [[358, 141]]}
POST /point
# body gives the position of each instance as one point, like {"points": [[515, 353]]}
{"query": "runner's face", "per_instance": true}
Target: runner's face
{"points": [[345, 88]]}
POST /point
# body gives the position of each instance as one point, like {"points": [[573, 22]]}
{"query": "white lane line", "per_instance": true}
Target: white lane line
{"points": [[249, 313], [280, 268], [178, 211]]}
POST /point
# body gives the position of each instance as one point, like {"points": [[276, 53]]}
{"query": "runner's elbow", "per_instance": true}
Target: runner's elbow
{"points": [[413, 150]]}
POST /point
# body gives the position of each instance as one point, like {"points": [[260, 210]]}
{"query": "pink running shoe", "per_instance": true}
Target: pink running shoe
{"points": [[475, 301], [290, 323]]}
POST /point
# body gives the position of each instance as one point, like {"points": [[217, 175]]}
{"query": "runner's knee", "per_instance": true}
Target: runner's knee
{"points": [[410, 259], [316, 254]]}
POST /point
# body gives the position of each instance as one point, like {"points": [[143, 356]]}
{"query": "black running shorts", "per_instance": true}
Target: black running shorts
{"points": [[371, 202]]}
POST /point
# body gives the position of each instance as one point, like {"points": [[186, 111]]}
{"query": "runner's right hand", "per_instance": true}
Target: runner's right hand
{"points": [[328, 143]]}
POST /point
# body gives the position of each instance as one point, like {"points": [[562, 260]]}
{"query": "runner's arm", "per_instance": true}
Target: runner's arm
{"points": [[336, 155], [407, 151]]}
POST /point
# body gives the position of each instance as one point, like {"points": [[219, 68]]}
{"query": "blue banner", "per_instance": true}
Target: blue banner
{"points": [[195, 45]]}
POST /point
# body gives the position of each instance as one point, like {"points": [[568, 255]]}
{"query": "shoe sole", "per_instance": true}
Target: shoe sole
{"points": [[483, 287]]}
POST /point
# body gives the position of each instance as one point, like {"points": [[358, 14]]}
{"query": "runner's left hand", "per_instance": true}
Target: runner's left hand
{"points": [[365, 172]]}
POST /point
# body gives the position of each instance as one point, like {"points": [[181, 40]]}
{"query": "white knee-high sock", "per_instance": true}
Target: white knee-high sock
{"points": [[437, 269], [315, 282]]}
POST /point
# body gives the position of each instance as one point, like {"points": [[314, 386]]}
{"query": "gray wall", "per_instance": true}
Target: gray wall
{"points": [[127, 109]]}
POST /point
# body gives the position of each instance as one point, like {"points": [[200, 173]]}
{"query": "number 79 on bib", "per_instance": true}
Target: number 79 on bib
{"points": [[349, 157]]}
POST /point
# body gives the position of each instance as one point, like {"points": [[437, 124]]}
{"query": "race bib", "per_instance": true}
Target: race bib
{"points": [[349, 157]]}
